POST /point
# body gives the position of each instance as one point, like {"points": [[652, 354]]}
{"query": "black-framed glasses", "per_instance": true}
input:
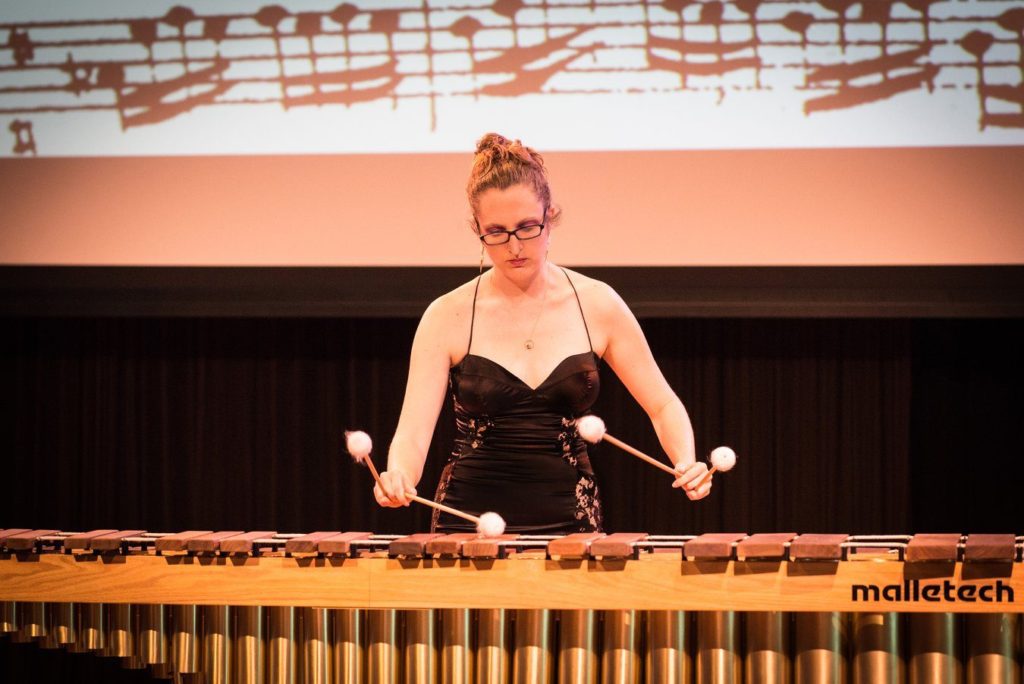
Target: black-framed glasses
{"points": [[500, 237]]}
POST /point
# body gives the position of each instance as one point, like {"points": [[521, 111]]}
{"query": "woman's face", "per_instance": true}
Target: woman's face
{"points": [[510, 209]]}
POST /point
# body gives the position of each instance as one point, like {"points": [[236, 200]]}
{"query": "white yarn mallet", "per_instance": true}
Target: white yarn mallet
{"points": [[722, 460], [592, 429], [360, 445]]}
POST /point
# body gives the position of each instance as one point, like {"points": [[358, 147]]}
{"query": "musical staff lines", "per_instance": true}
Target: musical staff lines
{"points": [[829, 54]]}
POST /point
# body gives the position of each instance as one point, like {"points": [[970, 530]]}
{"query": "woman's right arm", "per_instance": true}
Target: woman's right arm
{"points": [[424, 394]]}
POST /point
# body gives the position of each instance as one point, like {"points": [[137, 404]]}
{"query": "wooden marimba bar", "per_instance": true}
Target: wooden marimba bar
{"points": [[262, 607]]}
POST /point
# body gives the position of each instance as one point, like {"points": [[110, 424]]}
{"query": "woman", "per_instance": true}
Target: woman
{"points": [[519, 348]]}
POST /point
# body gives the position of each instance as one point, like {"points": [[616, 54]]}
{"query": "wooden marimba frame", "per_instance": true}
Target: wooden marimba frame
{"points": [[262, 607]]}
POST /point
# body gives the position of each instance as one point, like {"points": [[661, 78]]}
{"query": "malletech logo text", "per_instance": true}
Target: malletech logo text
{"points": [[913, 590]]}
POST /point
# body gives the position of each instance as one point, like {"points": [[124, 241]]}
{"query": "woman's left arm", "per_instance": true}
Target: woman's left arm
{"points": [[629, 355]]}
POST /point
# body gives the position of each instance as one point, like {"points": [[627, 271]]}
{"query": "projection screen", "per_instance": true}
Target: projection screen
{"points": [[677, 133]]}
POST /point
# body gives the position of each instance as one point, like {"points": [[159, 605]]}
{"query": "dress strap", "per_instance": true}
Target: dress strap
{"points": [[577, 304], [472, 315]]}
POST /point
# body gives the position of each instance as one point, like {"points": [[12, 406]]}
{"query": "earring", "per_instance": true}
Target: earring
{"points": [[481, 258]]}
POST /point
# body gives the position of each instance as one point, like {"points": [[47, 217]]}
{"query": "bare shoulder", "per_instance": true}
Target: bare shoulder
{"points": [[455, 303], [606, 313], [446, 320], [597, 296]]}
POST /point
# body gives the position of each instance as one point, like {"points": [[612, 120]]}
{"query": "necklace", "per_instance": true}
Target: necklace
{"points": [[528, 343], [543, 298], [529, 340]]}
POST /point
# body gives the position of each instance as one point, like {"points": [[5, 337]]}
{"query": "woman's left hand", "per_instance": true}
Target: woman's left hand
{"points": [[690, 479]]}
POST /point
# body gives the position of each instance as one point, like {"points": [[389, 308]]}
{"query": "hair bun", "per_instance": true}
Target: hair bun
{"points": [[501, 150], [492, 141], [501, 163]]}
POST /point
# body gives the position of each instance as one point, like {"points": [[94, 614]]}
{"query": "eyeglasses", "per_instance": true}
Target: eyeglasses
{"points": [[500, 237]]}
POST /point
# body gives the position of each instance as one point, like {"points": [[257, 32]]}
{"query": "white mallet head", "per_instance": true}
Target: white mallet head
{"points": [[723, 458], [491, 525], [591, 428], [358, 444]]}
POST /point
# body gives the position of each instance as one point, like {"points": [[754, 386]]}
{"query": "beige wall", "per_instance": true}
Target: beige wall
{"points": [[771, 207]]}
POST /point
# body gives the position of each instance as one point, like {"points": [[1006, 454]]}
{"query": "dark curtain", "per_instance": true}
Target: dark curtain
{"points": [[850, 425], [967, 424]]}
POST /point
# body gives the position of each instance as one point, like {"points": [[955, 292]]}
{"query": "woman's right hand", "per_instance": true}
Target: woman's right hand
{"points": [[396, 490]]}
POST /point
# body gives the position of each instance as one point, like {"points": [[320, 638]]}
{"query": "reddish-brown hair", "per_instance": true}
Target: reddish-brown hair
{"points": [[501, 163]]}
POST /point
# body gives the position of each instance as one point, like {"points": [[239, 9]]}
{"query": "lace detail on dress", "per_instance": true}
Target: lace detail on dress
{"points": [[477, 427], [442, 488], [473, 431], [588, 504], [566, 438]]}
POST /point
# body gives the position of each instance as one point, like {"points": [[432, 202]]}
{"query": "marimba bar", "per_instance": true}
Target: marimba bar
{"points": [[262, 607]]}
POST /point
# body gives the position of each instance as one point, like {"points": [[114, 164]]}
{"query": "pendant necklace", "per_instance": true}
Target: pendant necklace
{"points": [[529, 344], [529, 340]]}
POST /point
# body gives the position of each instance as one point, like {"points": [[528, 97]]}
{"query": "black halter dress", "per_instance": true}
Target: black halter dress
{"points": [[517, 451]]}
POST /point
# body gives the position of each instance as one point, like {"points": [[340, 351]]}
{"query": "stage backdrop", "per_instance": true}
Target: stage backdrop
{"points": [[858, 426], [749, 132]]}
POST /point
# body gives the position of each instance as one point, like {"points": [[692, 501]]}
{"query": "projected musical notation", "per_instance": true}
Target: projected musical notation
{"points": [[829, 55], [24, 142]]}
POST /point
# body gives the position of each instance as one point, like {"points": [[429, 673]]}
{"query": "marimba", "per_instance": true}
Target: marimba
{"points": [[259, 607]]}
